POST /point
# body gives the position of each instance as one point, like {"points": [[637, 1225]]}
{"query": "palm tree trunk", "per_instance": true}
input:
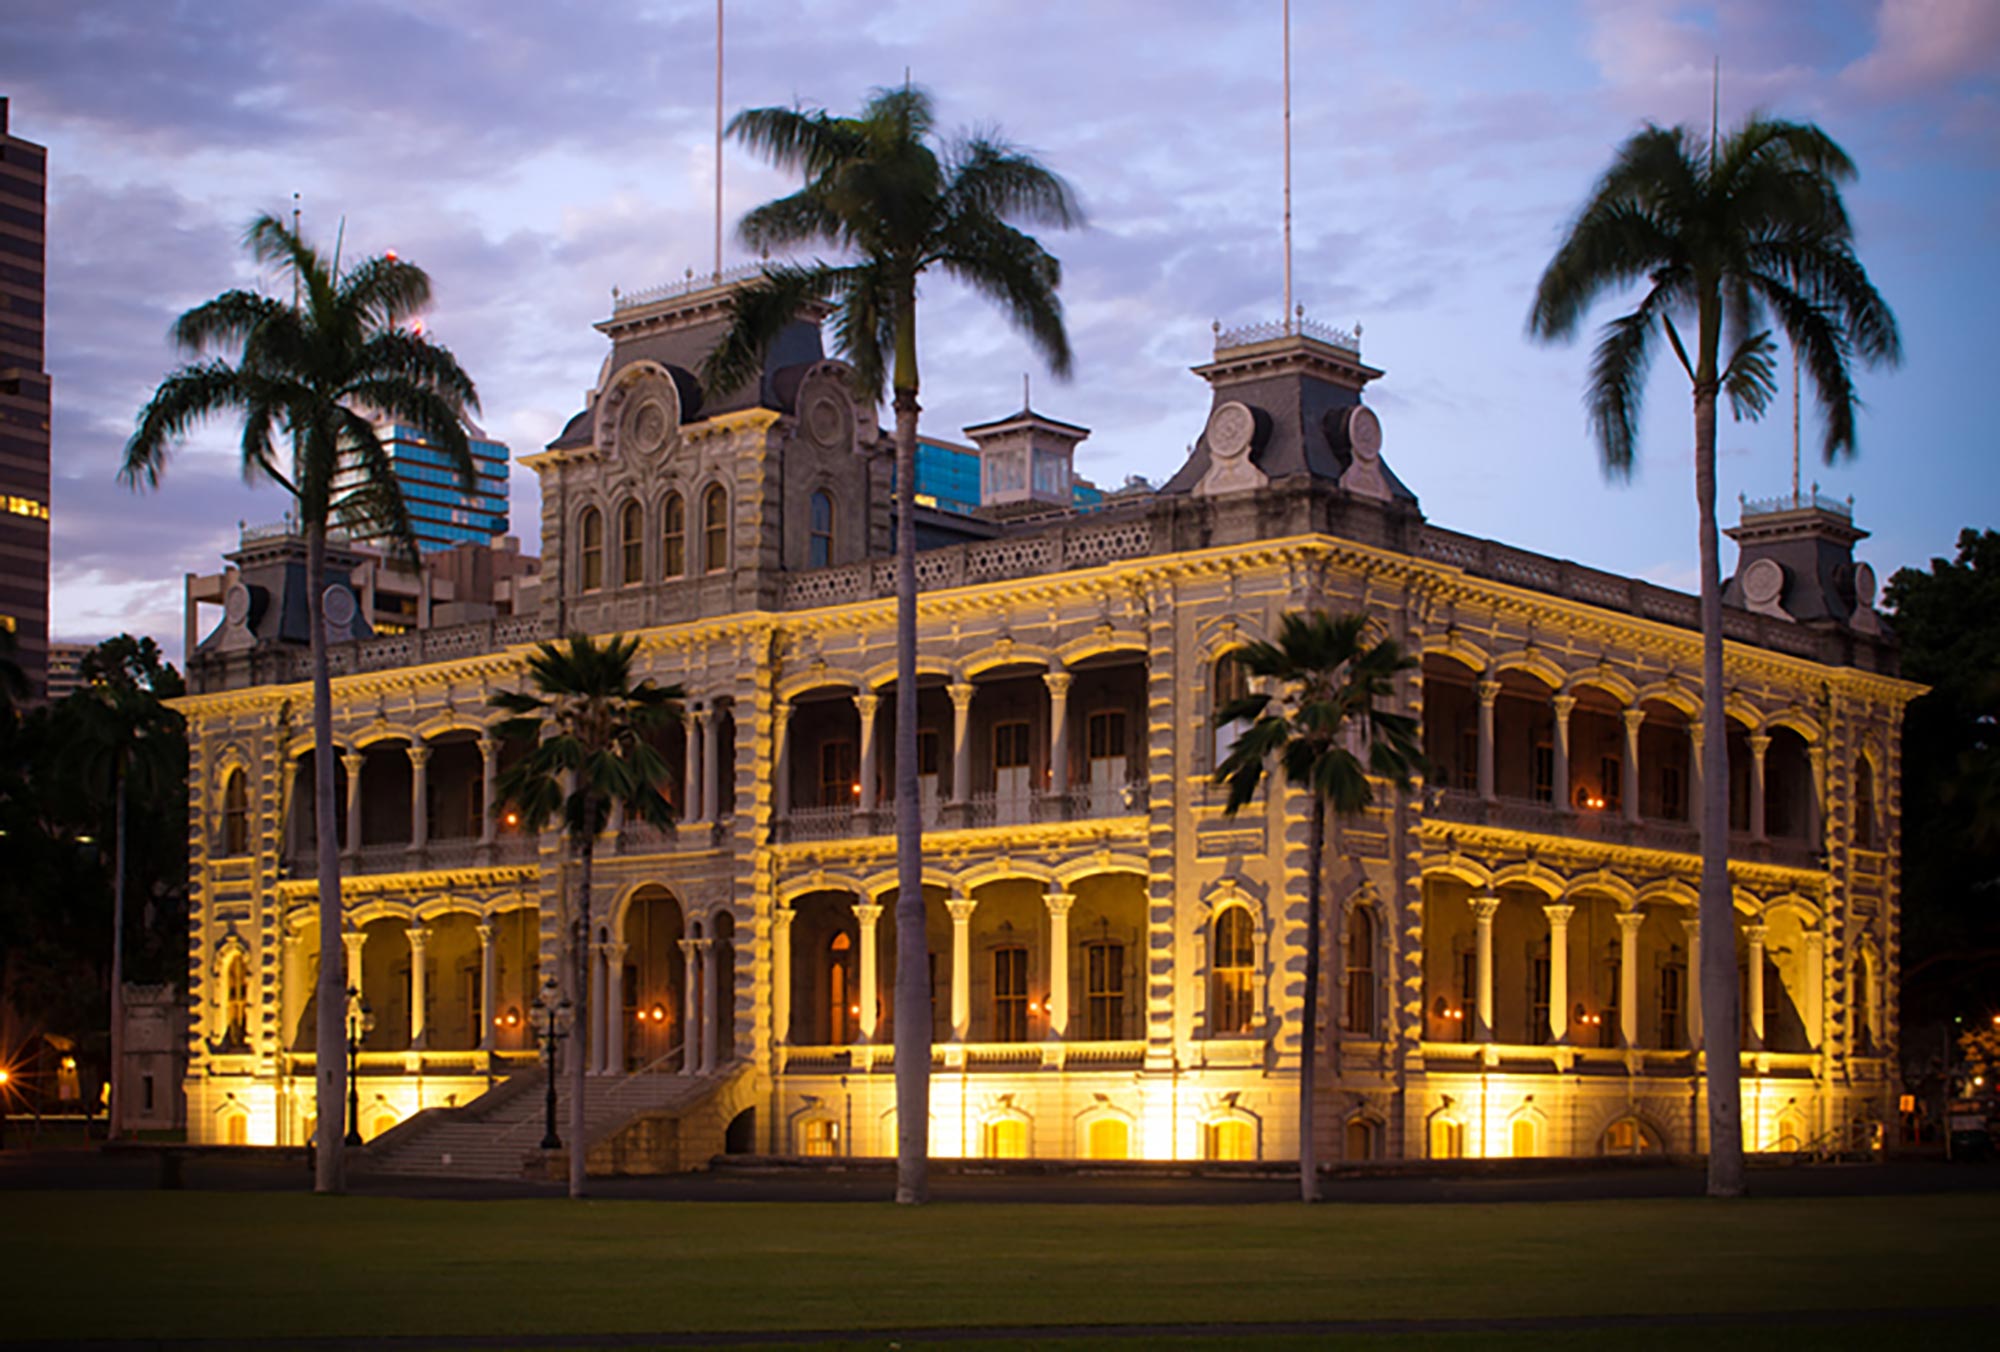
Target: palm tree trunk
{"points": [[1716, 910], [329, 1065], [117, 1078], [913, 1002], [1309, 1016], [579, 1028]]}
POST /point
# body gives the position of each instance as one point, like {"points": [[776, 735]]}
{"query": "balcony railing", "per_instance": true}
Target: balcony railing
{"points": [[1544, 818], [984, 809], [302, 861], [843, 1058]]}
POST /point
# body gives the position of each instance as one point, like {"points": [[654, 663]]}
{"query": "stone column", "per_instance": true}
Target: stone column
{"points": [[1058, 683], [712, 768], [866, 914], [1559, 918], [597, 1009], [353, 760], [489, 961], [691, 774], [420, 817], [961, 908], [1629, 791], [1628, 976], [1693, 992], [1483, 909], [614, 1007], [1815, 988], [866, 706], [781, 741], [715, 1001], [355, 941], [1760, 743], [1695, 786], [1754, 935], [1564, 705], [781, 973], [961, 740], [419, 985], [1059, 904], [1489, 692], [489, 772], [690, 1006]]}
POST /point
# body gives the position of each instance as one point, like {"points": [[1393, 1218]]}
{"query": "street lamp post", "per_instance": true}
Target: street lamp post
{"points": [[360, 1019], [551, 1009]]}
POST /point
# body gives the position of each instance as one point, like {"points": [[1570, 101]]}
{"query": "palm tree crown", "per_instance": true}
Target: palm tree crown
{"points": [[585, 725], [1728, 237], [879, 191], [314, 372], [1324, 724]]}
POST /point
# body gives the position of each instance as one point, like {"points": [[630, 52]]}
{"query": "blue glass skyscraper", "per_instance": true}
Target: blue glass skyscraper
{"points": [[441, 512]]}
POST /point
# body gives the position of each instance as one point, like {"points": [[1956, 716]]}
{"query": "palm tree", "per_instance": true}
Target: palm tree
{"points": [[585, 729], [1726, 234], [123, 735], [310, 371], [878, 189], [1325, 726]]}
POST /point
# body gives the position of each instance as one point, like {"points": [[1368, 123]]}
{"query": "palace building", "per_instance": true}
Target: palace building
{"points": [[1116, 963]]}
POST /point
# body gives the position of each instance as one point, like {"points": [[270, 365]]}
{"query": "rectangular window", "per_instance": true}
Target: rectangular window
{"points": [[927, 751], [837, 782], [1468, 759], [1671, 977], [1545, 772], [1468, 996], [1010, 746], [146, 1093], [1607, 1032], [1673, 801], [1611, 778], [1105, 734], [1010, 995], [1104, 983]]}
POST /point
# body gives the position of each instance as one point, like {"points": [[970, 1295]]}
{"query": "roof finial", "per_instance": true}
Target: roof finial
{"points": [[1026, 403]]}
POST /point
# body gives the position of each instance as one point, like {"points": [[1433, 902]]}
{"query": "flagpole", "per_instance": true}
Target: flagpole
{"points": [[718, 140], [1288, 166]]}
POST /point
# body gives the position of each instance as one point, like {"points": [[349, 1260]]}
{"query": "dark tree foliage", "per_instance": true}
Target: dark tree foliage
{"points": [[56, 813], [1948, 619]]}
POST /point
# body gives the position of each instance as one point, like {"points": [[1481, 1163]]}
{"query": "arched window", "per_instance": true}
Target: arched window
{"points": [[821, 553], [1524, 1137], [673, 536], [715, 529], [1230, 683], [631, 545], [235, 1001], [1447, 1138], [843, 1013], [590, 551], [1109, 1138], [1230, 1010], [235, 814], [1004, 1138], [1864, 803], [1361, 972], [1360, 1142], [1628, 1136]]}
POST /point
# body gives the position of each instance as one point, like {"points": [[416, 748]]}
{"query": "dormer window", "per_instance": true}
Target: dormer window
{"points": [[820, 554], [715, 529], [590, 552]]}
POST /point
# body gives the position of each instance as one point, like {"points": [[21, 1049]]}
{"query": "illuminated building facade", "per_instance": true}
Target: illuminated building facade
{"points": [[1116, 964]]}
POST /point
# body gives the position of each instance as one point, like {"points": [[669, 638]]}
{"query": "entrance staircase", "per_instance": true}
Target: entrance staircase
{"points": [[499, 1134]]}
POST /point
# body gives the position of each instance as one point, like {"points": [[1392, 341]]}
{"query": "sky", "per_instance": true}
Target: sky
{"points": [[532, 156]]}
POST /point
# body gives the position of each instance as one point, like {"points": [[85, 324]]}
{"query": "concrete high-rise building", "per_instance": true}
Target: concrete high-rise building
{"points": [[441, 512], [24, 403]]}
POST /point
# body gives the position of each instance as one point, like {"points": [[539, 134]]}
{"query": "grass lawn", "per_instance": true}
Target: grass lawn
{"points": [[269, 1265]]}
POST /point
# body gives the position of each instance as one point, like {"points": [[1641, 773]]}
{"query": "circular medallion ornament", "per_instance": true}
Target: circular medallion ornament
{"points": [[825, 419], [1230, 430], [336, 604], [1763, 582], [236, 603], [647, 425], [1364, 433]]}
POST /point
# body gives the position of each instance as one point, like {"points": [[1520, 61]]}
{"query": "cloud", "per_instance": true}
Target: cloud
{"points": [[1922, 46]]}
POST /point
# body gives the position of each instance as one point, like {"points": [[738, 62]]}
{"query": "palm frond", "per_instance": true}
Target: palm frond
{"points": [[184, 400], [987, 177], [1010, 268], [1616, 391], [759, 311], [1751, 379], [226, 321]]}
